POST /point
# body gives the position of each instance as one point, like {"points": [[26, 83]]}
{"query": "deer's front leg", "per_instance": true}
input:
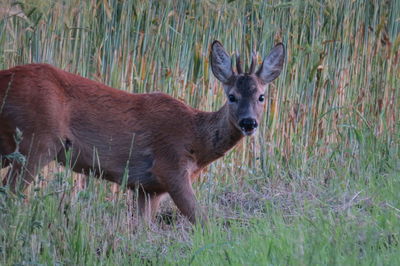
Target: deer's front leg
{"points": [[148, 204], [181, 191]]}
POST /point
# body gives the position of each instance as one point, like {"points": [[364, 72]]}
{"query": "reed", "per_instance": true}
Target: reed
{"points": [[321, 177]]}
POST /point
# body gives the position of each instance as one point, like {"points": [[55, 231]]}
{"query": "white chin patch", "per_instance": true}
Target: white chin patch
{"points": [[249, 132]]}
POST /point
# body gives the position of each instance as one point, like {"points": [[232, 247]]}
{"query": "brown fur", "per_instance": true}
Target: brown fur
{"points": [[161, 143]]}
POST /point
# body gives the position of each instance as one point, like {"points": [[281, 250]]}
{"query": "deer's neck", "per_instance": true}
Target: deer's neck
{"points": [[216, 135]]}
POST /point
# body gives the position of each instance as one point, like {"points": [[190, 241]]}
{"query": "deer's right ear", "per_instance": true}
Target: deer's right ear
{"points": [[221, 63]]}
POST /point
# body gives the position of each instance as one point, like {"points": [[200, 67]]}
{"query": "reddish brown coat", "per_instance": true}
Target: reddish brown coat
{"points": [[159, 142]]}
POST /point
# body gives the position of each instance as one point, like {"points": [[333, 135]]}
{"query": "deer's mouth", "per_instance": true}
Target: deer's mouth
{"points": [[248, 131], [248, 126]]}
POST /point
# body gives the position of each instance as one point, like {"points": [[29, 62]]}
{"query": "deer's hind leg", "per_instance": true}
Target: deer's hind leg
{"points": [[7, 144], [7, 147], [36, 155], [4, 150]]}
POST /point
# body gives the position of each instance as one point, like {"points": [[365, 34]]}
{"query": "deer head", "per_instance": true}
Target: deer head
{"points": [[245, 91]]}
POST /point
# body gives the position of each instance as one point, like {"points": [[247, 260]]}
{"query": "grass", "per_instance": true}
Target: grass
{"points": [[317, 186]]}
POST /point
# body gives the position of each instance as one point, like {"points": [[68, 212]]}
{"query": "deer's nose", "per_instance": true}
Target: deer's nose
{"points": [[248, 124]]}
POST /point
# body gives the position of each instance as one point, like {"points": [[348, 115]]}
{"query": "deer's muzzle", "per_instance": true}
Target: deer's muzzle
{"points": [[248, 126]]}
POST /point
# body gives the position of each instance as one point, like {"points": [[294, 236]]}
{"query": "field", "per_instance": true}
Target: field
{"points": [[318, 185]]}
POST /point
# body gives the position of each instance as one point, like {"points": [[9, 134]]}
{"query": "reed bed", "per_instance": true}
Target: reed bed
{"points": [[317, 185]]}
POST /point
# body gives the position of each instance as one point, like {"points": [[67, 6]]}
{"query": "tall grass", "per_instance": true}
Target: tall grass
{"points": [[319, 183]]}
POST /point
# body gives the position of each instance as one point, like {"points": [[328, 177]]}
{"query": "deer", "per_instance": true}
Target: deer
{"points": [[157, 143]]}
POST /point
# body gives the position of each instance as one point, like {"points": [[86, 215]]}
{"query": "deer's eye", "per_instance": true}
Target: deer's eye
{"points": [[232, 98], [261, 98]]}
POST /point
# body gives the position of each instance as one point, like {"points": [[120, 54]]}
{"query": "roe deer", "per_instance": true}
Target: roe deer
{"points": [[158, 142]]}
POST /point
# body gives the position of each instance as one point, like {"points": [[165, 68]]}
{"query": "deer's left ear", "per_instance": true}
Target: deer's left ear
{"points": [[272, 65], [221, 63]]}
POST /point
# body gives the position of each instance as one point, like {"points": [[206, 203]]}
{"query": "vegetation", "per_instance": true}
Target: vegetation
{"points": [[320, 182]]}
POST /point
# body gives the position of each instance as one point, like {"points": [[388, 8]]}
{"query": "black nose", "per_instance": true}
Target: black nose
{"points": [[248, 124]]}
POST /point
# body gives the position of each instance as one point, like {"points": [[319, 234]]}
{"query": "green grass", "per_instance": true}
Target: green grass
{"points": [[319, 184]]}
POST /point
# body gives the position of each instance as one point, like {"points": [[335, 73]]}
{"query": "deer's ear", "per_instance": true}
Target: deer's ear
{"points": [[221, 63], [272, 65]]}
